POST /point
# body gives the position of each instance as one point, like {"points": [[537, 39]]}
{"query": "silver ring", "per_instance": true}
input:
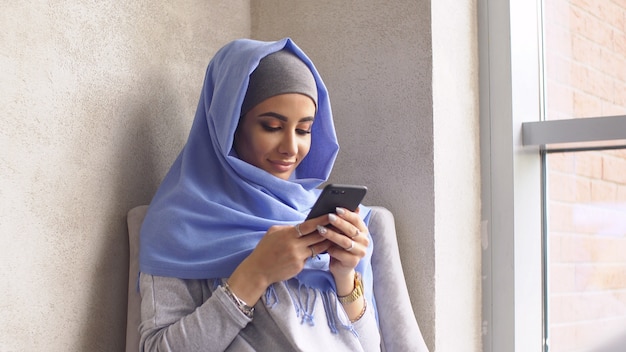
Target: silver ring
{"points": [[358, 233], [351, 246], [298, 229], [312, 252]]}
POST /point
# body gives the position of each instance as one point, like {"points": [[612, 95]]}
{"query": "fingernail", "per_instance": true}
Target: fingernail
{"points": [[340, 211], [332, 217], [321, 229]]}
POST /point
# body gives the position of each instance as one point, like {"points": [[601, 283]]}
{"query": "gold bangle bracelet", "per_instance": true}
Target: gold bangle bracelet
{"points": [[360, 314]]}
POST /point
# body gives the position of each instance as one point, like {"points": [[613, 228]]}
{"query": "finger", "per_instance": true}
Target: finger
{"points": [[319, 248], [347, 259], [297, 227], [348, 227], [310, 226], [349, 249], [311, 239], [352, 245], [290, 233], [352, 217]]}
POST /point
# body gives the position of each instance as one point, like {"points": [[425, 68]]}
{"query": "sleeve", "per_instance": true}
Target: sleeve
{"points": [[175, 317], [367, 330]]}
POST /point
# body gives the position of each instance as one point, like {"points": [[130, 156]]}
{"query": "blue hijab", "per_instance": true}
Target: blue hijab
{"points": [[212, 208]]}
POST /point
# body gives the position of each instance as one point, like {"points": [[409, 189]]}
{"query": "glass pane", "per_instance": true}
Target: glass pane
{"points": [[586, 257], [585, 58], [585, 76]]}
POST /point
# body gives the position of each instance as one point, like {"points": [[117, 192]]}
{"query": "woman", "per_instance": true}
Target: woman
{"points": [[227, 261]]}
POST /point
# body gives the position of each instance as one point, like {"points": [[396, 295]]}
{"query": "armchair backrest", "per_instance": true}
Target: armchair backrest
{"points": [[398, 327]]}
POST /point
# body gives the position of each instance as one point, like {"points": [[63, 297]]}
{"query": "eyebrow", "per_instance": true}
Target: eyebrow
{"points": [[284, 118]]}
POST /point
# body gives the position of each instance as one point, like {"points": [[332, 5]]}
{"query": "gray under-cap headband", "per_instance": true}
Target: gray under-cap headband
{"points": [[279, 73]]}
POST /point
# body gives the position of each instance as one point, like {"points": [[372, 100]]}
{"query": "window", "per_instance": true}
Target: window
{"points": [[554, 228], [585, 77]]}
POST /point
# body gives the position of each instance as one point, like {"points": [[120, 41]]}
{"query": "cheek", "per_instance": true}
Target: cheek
{"points": [[303, 148], [247, 147], [264, 143], [259, 145]]}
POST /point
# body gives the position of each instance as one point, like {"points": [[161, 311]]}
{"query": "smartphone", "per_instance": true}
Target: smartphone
{"points": [[335, 195]]}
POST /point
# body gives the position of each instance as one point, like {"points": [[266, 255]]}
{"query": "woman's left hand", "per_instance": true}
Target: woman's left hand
{"points": [[348, 234]]}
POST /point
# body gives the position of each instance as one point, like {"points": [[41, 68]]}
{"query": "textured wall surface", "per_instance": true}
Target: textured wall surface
{"points": [[457, 176], [96, 98], [377, 61]]}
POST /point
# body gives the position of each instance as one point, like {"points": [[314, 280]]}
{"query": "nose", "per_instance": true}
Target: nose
{"points": [[288, 144]]}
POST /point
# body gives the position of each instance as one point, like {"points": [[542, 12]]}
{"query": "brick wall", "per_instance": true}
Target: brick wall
{"points": [[585, 43]]}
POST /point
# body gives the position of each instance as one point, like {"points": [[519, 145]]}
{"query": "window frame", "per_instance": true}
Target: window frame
{"points": [[510, 94], [594, 132]]}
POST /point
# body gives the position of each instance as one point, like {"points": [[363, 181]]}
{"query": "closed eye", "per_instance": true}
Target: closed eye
{"points": [[269, 128]]}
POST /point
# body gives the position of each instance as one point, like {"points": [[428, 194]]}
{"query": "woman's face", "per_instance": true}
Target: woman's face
{"points": [[276, 134]]}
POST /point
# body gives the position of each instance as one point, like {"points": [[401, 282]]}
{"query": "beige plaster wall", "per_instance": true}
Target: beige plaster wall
{"points": [[96, 98], [457, 176], [408, 128]]}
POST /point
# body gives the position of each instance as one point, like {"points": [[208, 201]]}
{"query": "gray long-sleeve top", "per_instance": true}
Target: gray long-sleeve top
{"points": [[191, 315]]}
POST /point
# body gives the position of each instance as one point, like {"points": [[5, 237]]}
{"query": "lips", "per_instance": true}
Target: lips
{"points": [[282, 166]]}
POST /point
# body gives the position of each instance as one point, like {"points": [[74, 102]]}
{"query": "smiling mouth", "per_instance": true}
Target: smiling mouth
{"points": [[283, 165]]}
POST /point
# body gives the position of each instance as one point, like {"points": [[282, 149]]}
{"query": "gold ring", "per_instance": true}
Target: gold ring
{"points": [[298, 229], [312, 252]]}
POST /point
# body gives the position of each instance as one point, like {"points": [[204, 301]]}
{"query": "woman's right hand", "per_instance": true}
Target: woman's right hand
{"points": [[279, 255]]}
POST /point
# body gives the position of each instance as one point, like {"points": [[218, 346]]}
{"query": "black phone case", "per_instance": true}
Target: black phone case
{"points": [[336, 195]]}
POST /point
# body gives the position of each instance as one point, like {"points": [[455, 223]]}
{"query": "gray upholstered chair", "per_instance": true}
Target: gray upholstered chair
{"points": [[399, 329]]}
